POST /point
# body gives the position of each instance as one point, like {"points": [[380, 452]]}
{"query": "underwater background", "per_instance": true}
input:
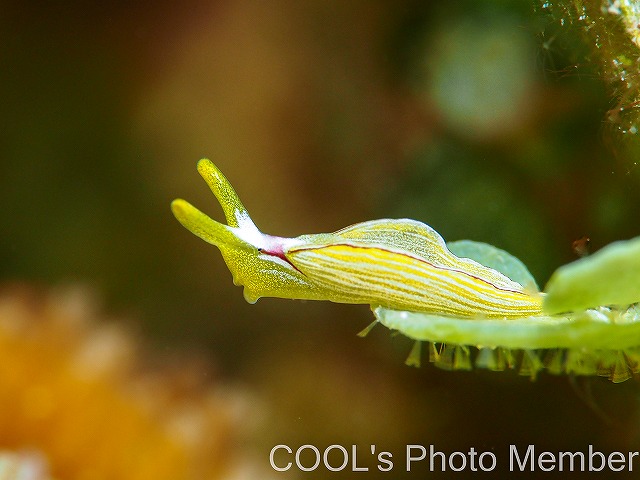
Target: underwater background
{"points": [[511, 123]]}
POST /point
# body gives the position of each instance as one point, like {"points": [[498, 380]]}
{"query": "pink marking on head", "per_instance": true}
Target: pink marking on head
{"points": [[274, 252], [275, 247]]}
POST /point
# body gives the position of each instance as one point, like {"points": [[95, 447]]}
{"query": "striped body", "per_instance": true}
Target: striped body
{"points": [[401, 281]]}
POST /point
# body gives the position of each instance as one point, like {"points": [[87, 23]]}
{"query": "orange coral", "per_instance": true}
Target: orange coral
{"points": [[73, 391]]}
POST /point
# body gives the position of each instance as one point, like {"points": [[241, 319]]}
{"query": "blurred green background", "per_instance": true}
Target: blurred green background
{"points": [[487, 120]]}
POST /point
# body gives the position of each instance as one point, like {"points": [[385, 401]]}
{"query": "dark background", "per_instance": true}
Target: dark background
{"points": [[487, 120]]}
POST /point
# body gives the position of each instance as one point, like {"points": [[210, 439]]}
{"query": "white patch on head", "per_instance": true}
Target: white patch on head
{"points": [[249, 233], [247, 230]]}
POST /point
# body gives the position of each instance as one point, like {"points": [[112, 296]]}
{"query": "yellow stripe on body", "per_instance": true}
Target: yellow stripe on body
{"points": [[419, 240], [399, 280]]}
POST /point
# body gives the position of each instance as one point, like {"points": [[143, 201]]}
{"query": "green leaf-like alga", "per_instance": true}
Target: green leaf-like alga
{"points": [[610, 276]]}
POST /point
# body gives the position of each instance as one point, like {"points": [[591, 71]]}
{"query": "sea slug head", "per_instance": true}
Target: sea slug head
{"points": [[256, 260]]}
